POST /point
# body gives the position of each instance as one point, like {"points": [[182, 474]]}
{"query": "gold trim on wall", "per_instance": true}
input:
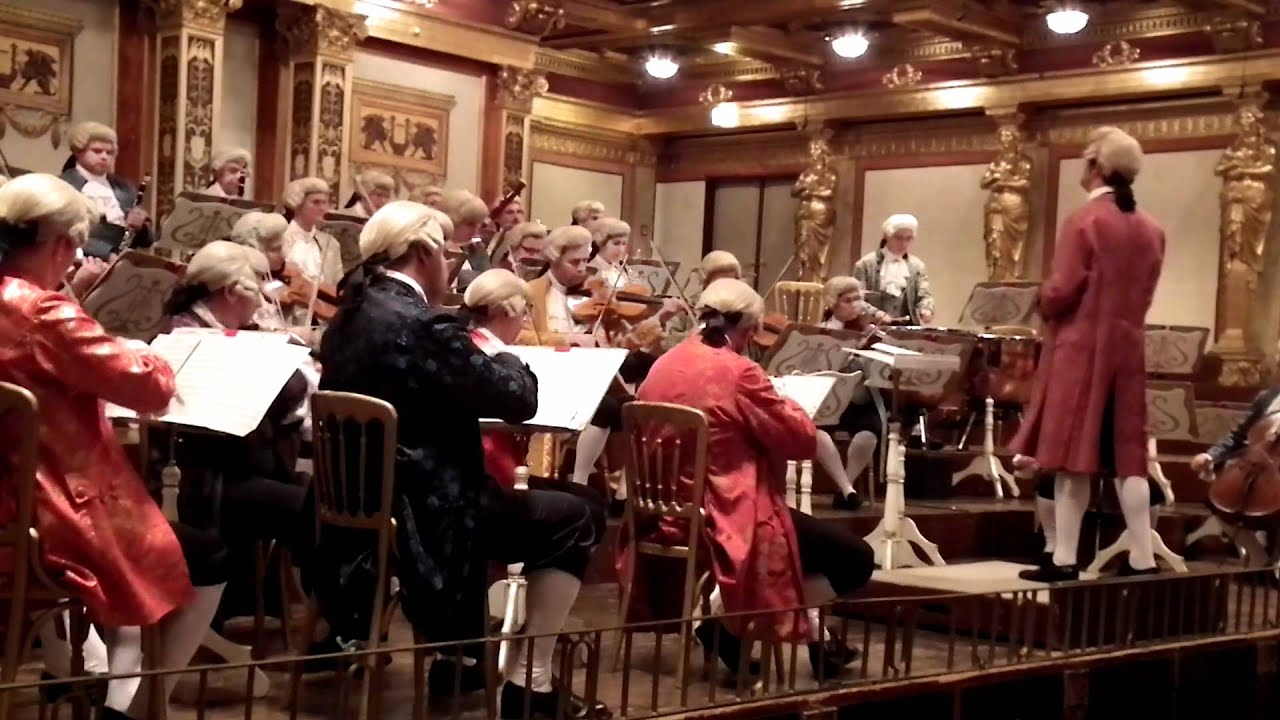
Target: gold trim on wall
{"points": [[590, 143], [572, 111], [432, 31]]}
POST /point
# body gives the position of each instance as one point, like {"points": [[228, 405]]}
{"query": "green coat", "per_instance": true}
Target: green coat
{"points": [[919, 294]]}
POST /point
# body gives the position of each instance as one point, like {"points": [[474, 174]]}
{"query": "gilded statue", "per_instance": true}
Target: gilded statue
{"points": [[1007, 214], [816, 216], [1247, 169]]}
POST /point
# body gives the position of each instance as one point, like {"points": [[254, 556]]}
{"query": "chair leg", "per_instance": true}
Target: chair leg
{"points": [[419, 677], [262, 558], [311, 619]]}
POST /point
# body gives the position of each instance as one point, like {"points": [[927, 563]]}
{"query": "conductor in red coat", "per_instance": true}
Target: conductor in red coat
{"points": [[1088, 409]]}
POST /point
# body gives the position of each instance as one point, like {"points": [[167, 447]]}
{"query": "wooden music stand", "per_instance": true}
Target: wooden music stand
{"points": [[198, 219], [128, 299], [346, 230]]}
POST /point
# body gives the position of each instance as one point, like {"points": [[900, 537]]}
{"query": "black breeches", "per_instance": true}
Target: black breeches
{"points": [[609, 414], [858, 418], [545, 528], [829, 549]]}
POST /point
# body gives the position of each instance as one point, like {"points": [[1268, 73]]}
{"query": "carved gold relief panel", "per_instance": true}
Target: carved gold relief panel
{"points": [[400, 127], [36, 64]]}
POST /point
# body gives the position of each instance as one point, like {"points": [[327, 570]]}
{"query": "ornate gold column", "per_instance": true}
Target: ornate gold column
{"points": [[1007, 213], [816, 214], [189, 39], [1247, 199], [321, 44], [507, 117]]}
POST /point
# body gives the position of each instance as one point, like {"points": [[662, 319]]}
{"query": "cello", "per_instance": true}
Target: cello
{"points": [[1246, 492]]}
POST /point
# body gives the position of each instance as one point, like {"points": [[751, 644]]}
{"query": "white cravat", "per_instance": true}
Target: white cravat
{"points": [[413, 284], [559, 318], [216, 191], [302, 249], [1100, 191], [98, 189], [894, 273]]}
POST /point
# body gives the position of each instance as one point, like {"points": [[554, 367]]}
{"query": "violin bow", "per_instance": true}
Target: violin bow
{"points": [[781, 275], [688, 306], [613, 290]]}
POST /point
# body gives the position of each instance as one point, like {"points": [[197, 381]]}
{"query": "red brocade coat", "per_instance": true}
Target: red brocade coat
{"points": [[1094, 305], [751, 542], [101, 534]]}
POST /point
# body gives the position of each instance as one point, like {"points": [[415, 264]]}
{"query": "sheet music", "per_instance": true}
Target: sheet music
{"points": [[808, 391], [225, 383], [571, 383]]}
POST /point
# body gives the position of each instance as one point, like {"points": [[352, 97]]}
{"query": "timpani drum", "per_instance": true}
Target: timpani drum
{"points": [[933, 389], [1004, 368]]}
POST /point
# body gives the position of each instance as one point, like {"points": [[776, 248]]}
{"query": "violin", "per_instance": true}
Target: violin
{"points": [[631, 303], [1246, 492], [771, 327], [299, 290]]}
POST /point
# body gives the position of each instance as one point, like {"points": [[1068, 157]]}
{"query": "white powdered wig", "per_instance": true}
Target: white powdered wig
{"points": [[565, 238], [728, 296], [1114, 150], [719, 261], [607, 229], [583, 210], [463, 207], [497, 290], [894, 223], [49, 204], [259, 229], [397, 226], [427, 195], [527, 230], [239, 156], [222, 264], [298, 190], [838, 286], [87, 132], [374, 180]]}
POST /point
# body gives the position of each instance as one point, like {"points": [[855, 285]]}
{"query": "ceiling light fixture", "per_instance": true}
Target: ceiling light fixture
{"points": [[725, 115], [661, 67], [725, 48], [850, 45], [1066, 20]]}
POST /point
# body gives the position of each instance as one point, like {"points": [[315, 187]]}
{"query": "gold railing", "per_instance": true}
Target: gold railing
{"points": [[974, 638]]}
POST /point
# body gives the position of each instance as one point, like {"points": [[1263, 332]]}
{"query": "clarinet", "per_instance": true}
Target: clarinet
{"points": [[129, 234], [240, 192]]}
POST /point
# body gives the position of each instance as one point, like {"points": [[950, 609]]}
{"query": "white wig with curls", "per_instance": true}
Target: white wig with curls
{"points": [[497, 290], [399, 225]]}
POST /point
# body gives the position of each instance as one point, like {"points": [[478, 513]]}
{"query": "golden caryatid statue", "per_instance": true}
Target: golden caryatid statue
{"points": [[1008, 209], [1247, 169], [816, 216]]}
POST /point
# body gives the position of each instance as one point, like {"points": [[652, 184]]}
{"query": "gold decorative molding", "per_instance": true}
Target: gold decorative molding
{"points": [[535, 17], [802, 79], [589, 143], [1142, 24], [1172, 121], [33, 123], [517, 87], [321, 30], [903, 75], [574, 111], [1116, 52], [392, 21], [1233, 35], [585, 65], [208, 15], [995, 61]]}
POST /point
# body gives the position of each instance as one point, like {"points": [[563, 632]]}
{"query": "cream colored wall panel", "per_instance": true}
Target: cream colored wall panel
{"points": [[948, 203], [735, 223], [1181, 192], [466, 121], [93, 90], [555, 189], [777, 231], [679, 209], [240, 91]]}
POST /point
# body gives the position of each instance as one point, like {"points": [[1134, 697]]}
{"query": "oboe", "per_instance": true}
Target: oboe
{"points": [[129, 234]]}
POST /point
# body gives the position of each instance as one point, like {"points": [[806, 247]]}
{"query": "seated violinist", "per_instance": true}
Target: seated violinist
{"points": [[264, 232], [764, 556], [612, 244], [91, 170], [586, 212], [314, 253], [390, 341], [373, 190], [429, 195], [230, 167], [524, 253], [468, 214]]}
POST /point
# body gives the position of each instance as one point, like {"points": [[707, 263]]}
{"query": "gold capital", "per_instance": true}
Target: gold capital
{"points": [[206, 14], [1233, 35], [904, 75], [1116, 52], [995, 60], [535, 17], [320, 30], [517, 87], [802, 79]]}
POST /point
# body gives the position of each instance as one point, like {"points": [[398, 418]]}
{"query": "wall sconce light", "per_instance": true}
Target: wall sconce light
{"points": [[724, 112]]}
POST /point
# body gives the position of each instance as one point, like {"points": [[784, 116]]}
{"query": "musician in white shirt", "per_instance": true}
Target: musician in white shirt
{"points": [[230, 167], [316, 254], [899, 277], [587, 211], [467, 212], [373, 190]]}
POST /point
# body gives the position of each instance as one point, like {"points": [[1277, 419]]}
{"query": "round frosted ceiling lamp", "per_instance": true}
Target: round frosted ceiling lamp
{"points": [[661, 67], [850, 45], [1067, 21]]}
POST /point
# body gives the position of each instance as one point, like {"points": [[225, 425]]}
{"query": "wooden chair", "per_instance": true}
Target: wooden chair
{"points": [[354, 439], [800, 302], [28, 590], [666, 478]]}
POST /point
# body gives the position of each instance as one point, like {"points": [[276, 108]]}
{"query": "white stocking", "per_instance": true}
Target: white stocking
{"points": [[57, 651], [829, 458], [590, 444], [817, 591], [181, 633], [862, 450], [1070, 501], [548, 602], [124, 656], [715, 602], [1135, 502], [1048, 523]]}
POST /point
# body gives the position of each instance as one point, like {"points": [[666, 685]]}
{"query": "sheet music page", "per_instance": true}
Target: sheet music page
{"points": [[808, 391], [245, 335], [893, 349], [175, 350], [227, 383], [571, 383]]}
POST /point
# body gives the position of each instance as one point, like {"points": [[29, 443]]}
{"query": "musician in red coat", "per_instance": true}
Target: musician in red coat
{"points": [[764, 556], [1088, 406]]}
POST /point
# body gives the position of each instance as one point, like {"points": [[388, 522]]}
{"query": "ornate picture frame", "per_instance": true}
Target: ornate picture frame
{"points": [[37, 68], [401, 131]]}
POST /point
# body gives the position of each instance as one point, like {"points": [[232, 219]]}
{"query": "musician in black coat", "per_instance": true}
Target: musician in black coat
{"points": [[388, 342], [91, 170], [1266, 403]]}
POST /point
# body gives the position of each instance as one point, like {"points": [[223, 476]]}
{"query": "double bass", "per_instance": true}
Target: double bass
{"points": [[1246, 492]]}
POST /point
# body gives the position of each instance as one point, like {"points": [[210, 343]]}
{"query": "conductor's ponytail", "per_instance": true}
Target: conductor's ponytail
{"points": [[1123, 190], [715, 326]]}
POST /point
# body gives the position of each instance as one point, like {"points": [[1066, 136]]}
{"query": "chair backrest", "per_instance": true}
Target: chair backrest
{"points": [[354, 456], [666, 463], [798, 301], [19, 415]]}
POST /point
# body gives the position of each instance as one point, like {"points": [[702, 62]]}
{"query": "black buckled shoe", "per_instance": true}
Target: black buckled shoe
{"points": [[727, 645], [446, 677], [547, 704], [852, 501], [1051, 574], [829, 659], [1127, 570]]}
